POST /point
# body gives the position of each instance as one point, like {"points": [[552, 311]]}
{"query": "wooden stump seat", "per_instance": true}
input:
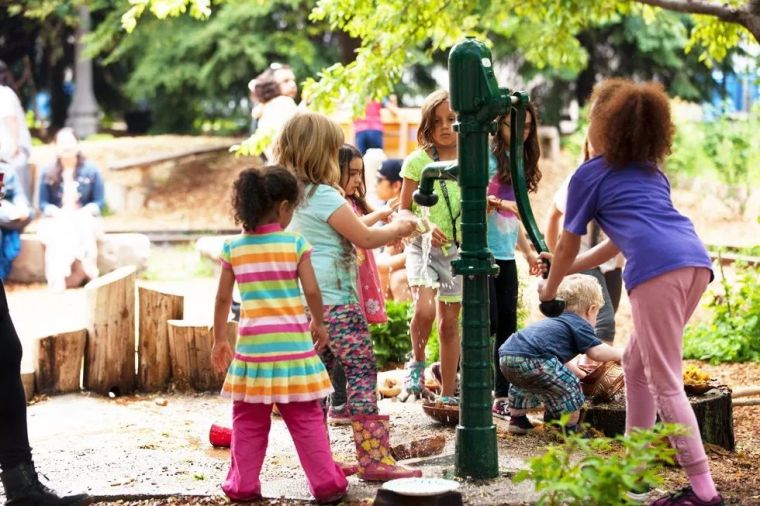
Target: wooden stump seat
{"points": [[714, 411]]}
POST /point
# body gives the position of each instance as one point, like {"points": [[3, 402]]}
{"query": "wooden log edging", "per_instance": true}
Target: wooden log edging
{"points": [[109, 365], [155, 309], [59, 362]]}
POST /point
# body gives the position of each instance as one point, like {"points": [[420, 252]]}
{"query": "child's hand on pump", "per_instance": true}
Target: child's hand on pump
{"points": [[494, 203]]}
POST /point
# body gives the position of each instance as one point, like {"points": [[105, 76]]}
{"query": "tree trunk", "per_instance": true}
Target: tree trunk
{"points": [[713, 409], [190, 348], [59, 362], [154, 363], [110, 360]]}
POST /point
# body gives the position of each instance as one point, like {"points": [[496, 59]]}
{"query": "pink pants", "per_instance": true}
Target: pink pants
{"points": [[250, 434], [652, 360]]}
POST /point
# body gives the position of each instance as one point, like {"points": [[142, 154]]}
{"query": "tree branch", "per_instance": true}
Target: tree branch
{"points": [[721, 11], [744, 16]]}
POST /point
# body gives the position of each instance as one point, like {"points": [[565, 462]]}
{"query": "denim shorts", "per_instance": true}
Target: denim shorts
{"points": [[436, 273], [541, 380]]}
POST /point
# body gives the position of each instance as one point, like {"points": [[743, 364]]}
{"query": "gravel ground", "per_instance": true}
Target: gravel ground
{"points": [[134, 448]]}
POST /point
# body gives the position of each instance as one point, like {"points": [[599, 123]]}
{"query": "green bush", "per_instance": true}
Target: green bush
{"points": [[391, 339], [733, 335], [599, 471]]}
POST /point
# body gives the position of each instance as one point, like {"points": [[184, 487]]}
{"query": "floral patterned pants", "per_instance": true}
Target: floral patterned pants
{"points": [[351, 345]]}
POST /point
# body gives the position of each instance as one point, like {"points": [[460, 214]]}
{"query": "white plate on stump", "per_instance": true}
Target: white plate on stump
{"points": [[421, 486]]}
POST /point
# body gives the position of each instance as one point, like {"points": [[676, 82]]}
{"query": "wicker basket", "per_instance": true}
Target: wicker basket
{"points": [[603, 382]]}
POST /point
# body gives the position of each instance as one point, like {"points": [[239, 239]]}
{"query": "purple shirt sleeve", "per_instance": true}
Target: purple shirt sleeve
{"points": [[581, 206]]}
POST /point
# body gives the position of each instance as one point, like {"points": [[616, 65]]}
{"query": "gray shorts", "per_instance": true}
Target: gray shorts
{"points": [[436, 273]]}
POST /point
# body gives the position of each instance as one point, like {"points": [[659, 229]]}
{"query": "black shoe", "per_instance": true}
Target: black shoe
{"points": [[519, 425], [23, 488]]}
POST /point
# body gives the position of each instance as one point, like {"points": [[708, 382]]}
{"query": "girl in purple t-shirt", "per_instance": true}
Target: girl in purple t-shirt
{"points": [[667, 268]]}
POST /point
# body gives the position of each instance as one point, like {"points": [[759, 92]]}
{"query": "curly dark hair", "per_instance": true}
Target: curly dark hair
{"points": [[631, 123], [346, 154], [531, 152], [257, 192]]}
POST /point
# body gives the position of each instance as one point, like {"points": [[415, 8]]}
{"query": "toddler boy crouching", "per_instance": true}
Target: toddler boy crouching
{"points": [[537, 359]]}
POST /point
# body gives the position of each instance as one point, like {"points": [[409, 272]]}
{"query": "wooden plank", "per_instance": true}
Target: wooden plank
{"points": [[144, 162]]}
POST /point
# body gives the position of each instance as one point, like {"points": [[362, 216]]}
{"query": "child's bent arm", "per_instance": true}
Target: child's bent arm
{"points": [[605, 353], [407, 190], [596, 256], [347, 224], [552, 227], [310, 289]]}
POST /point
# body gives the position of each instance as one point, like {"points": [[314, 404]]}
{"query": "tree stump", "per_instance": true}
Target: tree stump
{"points": [[155, 309], [59, 362], [110, 359], [27, 380], [713, 409], [190, 348]]}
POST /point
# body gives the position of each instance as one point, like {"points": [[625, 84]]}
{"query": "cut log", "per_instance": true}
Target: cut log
{"points": [[154, 362], [745, 391], [59, 362], [109, 365], [190, 348], [713, 410], [27, 379], [747, 401]]}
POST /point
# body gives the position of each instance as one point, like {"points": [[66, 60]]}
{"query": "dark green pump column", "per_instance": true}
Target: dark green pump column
{"points": [[477, 100]]}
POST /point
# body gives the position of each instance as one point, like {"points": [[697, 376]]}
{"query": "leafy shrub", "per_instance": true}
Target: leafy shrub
{"points": [[733, 335], [391, 339], [599, 471]]}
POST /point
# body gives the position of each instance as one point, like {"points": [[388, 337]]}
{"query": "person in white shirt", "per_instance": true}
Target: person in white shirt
{"points": [[15, 139]]}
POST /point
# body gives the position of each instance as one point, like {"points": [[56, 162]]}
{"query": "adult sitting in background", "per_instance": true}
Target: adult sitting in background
{"points": [[15, 140], [71, 200], [391, 262], [274, 90], [15, 215]]}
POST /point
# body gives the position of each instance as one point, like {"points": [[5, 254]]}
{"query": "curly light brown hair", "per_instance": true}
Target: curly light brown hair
{"points": [[631, 122]]}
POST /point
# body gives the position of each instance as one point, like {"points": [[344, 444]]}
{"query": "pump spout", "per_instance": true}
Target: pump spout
{"points": [[424, 195]]}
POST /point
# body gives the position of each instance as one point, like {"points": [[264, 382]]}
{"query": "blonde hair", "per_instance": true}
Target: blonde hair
{"points": [[427, 121], [580, 292], [308, 146]]}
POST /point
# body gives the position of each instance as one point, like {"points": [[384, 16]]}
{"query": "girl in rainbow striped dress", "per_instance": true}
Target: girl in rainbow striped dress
{"points": [[275, 359]]}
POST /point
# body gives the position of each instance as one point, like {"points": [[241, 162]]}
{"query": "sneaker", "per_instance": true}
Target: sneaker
{"points": [[500, 408], [686, 497], [639, 495], [338, 415], [447, 400], [519, 425]]}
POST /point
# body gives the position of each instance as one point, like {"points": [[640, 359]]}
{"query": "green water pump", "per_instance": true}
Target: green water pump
{"points": [[478, 101]]}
